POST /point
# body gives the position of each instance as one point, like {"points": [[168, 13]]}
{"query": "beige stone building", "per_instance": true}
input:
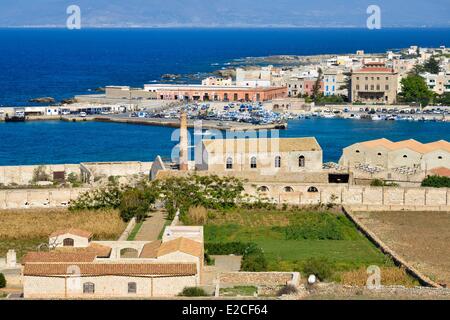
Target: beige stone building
{"points": [[77, 267], [374, 84], [263, 156], [389, 155]]}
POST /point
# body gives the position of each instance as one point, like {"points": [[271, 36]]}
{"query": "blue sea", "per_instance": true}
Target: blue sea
{"points": [[45, 142], [62, 63]]}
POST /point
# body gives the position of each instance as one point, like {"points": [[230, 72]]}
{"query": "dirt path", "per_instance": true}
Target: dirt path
{"points": [[152, 226]]}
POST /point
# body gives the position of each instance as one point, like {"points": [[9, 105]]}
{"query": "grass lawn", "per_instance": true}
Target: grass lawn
{"points": [[135, 231], [24, 230], [288, 238]]}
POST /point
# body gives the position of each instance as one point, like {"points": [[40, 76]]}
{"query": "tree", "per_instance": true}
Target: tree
{"points": [[443, 99], [414, 89], [316, 88], [432, 65], [136, 203], [436, 182], [2, 281]]}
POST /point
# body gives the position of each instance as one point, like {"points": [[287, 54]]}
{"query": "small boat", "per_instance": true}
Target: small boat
{"points": [[376, 117], [14, 119]]}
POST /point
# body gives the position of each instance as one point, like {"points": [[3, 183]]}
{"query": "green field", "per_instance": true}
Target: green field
{"points": [[289, 238]]}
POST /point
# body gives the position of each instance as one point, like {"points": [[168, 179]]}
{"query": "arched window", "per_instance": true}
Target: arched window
{"points": [[68, 242], [405, 156], [277, 162], [379, 153], [88, 287], [263, 189], [301, 161], [253, 163], [357, 151], [132, 287], [312, 189], [440, 157], [229, 163], [288, 189], [129, 253]]}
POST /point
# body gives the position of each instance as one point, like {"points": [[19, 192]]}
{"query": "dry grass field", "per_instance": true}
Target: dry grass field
{"points": [[23, 230], [421, 238]]}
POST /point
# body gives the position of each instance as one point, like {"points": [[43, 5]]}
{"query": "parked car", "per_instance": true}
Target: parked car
{"points": [[83, 114]]}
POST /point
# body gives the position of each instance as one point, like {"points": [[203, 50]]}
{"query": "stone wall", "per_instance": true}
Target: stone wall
{"points": [[386, 197], [23, 175], [38, 198], [256, 278]]}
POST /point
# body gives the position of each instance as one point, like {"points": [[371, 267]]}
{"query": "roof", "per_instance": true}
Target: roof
{"points": [[150, 250], [441, 171], [262, 145], [374, 70], [55, 256], [74, 231], [98, 249], [121, 269], [408, 144], [157, 249]]}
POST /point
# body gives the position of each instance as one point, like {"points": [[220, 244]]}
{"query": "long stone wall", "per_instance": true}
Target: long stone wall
{"points": [[395, 198], [38, 198]]}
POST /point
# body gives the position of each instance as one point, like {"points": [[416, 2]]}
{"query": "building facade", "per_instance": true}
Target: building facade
{"points": [[374, 84]]}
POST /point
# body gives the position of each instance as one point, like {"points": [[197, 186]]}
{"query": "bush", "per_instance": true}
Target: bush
{"points": [[322, 268], [72, 178], [197, 215], [2, 281], [254, 262], [193, 292], [134, 203], [40, 174], [436, 182], [382, 183], [287, 289]]}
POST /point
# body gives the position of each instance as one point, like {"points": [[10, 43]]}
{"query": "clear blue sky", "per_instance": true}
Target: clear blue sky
{"points": [[226, 13]]}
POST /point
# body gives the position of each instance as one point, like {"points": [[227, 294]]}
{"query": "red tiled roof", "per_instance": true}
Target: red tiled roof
{"points": [[55, 256], [441, 171], [121, 269], [98, 249], [74, 231]]}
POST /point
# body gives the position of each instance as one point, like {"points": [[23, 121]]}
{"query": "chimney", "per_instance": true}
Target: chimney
{"points": [[183, 142]]}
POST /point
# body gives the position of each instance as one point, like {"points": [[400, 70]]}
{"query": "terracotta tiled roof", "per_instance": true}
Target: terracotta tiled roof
{"points": [[183, 245], [74, 231], [409, 144], [122, 269], [55, 256], [262, 145], [98, 249], [441, 171], [150, 250]]}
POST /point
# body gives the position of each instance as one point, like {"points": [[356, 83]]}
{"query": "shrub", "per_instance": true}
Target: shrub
{"points": [[382, 183], [436, 182], [135, 203], [209, 260], [322, 268], [72, 178], [39, 174], [253, 258], [193, 292], [254, 262], [2, 281], [197, 215], [287, 289]]}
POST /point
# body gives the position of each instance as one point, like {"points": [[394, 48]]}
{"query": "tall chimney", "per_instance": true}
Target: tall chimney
{"points": [[183, 142]]}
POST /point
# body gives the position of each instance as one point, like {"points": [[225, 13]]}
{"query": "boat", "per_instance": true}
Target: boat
{"points": [[14, 119], [376, 117]]}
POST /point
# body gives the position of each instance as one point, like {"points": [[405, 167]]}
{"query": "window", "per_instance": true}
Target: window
{"points": [[405, 156], [301, 161], [387, 87], [229, 163], [88, 287], [263, 189], [277, 162], [132, 287], [440, 157], [288, 189], [68, 242], [253, 163], [357, 87], [357, 151], [312, 189], [379, 153]]}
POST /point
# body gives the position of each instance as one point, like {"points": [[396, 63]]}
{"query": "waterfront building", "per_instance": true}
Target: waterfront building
{"points": [[330, 82], [256, 77], [389, 155], [309, 85], [435, 82], [78, 267], [215, 93], [215, 81], [294, 86], [374, 83], [261, 155], [127, 93]]}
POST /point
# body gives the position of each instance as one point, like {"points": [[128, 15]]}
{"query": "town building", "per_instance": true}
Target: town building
{"points": [[374, 83], [75, 266], [215, 93], [215, 81], [435, 82], [294, 86], [127, 93], [256, 77]]}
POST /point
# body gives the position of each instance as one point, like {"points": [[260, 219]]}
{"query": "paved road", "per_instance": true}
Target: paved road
{"points": [[152, 226]]}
